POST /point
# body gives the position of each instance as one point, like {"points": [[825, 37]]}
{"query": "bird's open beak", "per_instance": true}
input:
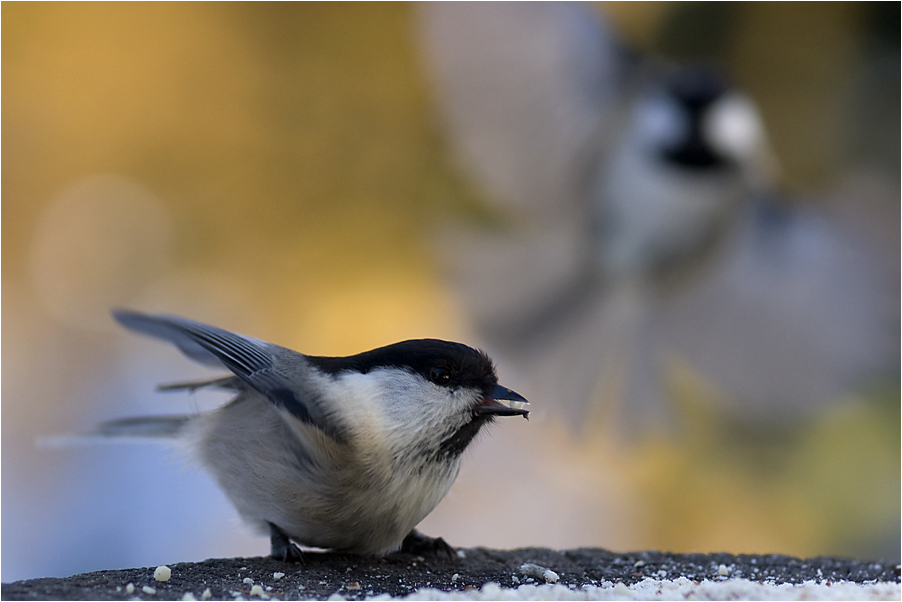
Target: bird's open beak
{"points": [[503, 402]]}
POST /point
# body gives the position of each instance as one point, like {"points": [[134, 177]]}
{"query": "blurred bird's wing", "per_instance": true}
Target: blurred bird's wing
{"points": [[524, 88], [526, 91], [799, 310], [283, 376], [599, 365]]}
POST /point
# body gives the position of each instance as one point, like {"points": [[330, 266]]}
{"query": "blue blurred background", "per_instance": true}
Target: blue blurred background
{"points": [[279, 170]]}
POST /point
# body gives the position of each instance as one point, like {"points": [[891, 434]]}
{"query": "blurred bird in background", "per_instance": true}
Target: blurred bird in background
{"points": [[636, 229]]}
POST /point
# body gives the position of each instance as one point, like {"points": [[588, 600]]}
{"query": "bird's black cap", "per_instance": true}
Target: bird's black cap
{"points": [[442, 362]]}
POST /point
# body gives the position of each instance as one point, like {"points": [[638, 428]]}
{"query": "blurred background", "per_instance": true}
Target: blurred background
{"points": [[281, 170]]}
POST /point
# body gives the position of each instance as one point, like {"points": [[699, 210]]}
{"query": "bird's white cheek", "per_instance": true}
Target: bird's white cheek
{"points": [[734, 127]]}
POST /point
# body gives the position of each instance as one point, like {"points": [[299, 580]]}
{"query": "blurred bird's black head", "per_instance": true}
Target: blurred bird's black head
{"points": [[695, 90]]}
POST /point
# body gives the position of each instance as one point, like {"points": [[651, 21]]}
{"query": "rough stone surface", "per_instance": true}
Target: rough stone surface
{"points": [[324, 574]]}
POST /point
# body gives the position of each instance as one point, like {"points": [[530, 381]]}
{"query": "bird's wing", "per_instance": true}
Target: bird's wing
{"points": [[283, 376], [525, 91], [798, 311], [523, 88]]}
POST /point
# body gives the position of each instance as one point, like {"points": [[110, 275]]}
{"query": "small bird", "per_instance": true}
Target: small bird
{"points": [[344, 453], [635, 220]]}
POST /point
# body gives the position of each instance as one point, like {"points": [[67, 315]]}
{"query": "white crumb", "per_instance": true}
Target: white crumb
{"points": [[258, 591], [722, 570], [188, 597], [130, 588], [539, 572], [206, 595], [148, 590], [278, 576], [248, 581], [162, 573]]}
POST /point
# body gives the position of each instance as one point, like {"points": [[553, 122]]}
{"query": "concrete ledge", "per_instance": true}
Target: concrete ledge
{"points": [[324, 574]]}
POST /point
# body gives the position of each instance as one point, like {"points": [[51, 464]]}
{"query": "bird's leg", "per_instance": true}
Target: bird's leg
{"points": [[422, 545], [282, 548]]}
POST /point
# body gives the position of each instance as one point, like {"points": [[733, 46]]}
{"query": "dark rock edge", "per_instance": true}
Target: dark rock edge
{"points": [[323, 574]]}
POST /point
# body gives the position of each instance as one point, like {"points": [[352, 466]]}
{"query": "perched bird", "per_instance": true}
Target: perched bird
{"points": [[345, 453], [628, 224]]}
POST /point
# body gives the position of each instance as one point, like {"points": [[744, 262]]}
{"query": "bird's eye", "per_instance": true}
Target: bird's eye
{"points": [[440, 376]]}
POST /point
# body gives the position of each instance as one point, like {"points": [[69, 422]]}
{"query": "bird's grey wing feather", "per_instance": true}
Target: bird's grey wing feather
{"points": [[282, 375], [168, 328], [231, 383]]}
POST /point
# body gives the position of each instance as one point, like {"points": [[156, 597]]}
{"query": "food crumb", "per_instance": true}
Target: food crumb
{"points": [[148, 590], [539, 572], [188, 596], [257, 591], [278, 576], [206, 595], [723, 571], [162, 573], [130, 588], [248, 580]]}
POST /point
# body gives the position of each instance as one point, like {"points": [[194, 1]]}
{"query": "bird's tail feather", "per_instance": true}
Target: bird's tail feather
{"points": [[143, 427]]}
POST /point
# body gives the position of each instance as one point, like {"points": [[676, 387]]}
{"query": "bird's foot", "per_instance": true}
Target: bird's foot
{"points": [[421, 545], [282, 548]]}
